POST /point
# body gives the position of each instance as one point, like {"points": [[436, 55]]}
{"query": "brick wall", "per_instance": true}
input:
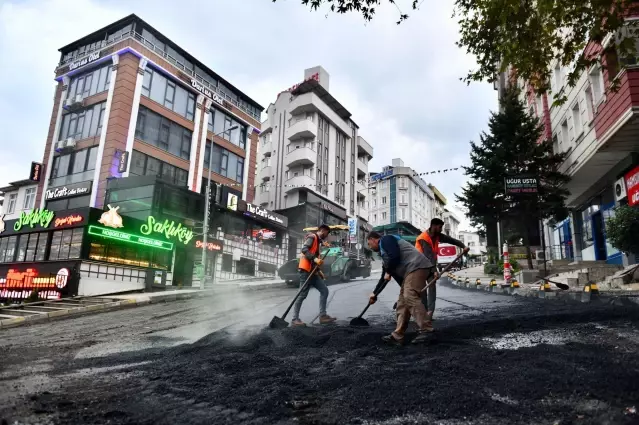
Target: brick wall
{"points": [[51, 139]]}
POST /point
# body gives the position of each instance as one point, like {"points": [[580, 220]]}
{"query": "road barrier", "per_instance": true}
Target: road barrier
{"points": [[478, 282], [514, 283], [493, 282]]}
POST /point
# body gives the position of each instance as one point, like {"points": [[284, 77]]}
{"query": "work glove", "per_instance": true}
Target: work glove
{"points": [[372, 299], [318, 261]]}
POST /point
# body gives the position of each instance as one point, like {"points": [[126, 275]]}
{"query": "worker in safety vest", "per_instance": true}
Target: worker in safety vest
{"points": [[428, 244], [309, 259]]}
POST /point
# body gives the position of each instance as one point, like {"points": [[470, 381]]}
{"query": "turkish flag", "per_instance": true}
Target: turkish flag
{"points": [[447, 251]]}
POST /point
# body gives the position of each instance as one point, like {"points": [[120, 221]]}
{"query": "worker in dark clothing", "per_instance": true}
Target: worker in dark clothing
{"points": [[428, 244], [309, 259], [403, 262]]}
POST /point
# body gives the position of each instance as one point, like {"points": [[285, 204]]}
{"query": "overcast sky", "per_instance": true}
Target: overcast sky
{"points": [[401, 83]]}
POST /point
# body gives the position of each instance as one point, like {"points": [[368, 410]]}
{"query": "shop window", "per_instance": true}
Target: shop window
{"points": [[227, 263], [245, 267], [7, 249], [66, 244], [32, 247], [163, 133], [84, 124]]}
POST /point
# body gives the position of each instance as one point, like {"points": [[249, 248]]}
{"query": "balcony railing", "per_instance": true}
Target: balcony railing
{"points": [[171, 60]]}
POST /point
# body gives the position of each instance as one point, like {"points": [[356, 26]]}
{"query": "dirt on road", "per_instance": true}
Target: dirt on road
{"points": [[531, 365]]}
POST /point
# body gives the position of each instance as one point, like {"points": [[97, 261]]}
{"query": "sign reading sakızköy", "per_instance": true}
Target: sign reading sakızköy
{"points": [[518, 185], [37, 216], [168, 228]]}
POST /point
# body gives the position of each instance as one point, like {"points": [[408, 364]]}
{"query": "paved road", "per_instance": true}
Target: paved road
{"points": [[494, 359]]}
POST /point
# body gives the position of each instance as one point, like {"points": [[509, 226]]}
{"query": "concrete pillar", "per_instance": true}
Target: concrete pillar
{"points": [[193, 171], [134, 111], [575, 234], [205, 129]]}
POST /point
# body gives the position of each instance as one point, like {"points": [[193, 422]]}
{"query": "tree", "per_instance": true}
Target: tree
{"points": [[529, 35], [512, 148], [622, 229]]}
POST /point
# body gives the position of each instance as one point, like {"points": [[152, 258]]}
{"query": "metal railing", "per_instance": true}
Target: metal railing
{"points": [[173, 61]]}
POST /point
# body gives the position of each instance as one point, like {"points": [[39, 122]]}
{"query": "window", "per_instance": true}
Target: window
{"points": [[590, 103], [66, 244], [158, 131], [576, 121], [13, 200], [555, 144], [73, 167], [565, 136], [219, 123], [144, 165], [402, 198], [7, 249], [83, 124], [29, 198], [165, 92], [374, 218], [402, 213], [69, 203], [32, 247], [596, 83], [383, 200], [225, 163], [558, 78], [383, 216], [90, 83]]}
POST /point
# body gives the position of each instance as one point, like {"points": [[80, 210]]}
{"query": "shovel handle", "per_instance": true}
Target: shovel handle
{"points": [[443, 271], [308, 279], [378, 292]]}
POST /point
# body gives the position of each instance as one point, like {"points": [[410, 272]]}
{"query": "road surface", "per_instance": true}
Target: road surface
{"points": [[494, 360]]}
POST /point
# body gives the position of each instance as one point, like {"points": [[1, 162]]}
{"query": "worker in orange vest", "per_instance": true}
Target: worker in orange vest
{"points": [[309, 259], [428, 244]]}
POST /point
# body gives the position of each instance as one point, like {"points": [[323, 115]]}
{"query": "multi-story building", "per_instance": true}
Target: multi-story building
{"points": [[19, 196], [451, 223], [472, 240], [398, 194], [313, 163], [137, 125]]}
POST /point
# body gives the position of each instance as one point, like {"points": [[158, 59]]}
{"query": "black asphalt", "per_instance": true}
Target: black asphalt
{"points": [[494, 359]]}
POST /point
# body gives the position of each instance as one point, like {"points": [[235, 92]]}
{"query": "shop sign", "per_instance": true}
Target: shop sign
{"points": [[91, 58], [382, 175], [51, 281], [352, 227], [36, 171], [168, 228], [256, 210], [232, 201], [37, 216], [129, 237], [206, 92], [111, 218], [123, 162], [68, 191], [632, 186], [69, 220], [518, 185], [312, 77], [214, 245]]}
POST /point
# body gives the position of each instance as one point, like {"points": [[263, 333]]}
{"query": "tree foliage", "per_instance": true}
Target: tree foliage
{"points": [[622, 229], [529, 35], [512, 147]]}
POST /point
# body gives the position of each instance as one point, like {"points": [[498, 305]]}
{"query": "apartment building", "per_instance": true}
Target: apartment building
{"points": [[472, 240], [451, 223], [598, 129], [19, 196], [312, 163], [398, 194]]}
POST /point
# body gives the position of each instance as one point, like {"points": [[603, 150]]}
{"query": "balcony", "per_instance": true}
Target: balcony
{"points": [[303, 129], [311, 102], [297, 182], [266, 172], [364, 148], [361, 166], [266, 148], [301, 156], [262, 197]]}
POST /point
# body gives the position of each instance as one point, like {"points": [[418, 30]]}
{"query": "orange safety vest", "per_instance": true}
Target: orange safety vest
{"points": [[305, 264], [426, 237]]}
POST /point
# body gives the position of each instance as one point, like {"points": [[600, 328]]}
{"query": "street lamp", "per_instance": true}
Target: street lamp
{"points": [[205, 225]]}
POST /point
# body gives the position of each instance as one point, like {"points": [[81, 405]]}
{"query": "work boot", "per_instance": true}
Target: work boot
{"points": [[390, 339], [297, 323], [420, 338], [428, 327], [325, 319]]}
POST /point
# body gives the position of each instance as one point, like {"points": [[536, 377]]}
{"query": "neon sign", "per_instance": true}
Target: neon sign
{"points": [[129, 237], [168, 228], [68, 220], [211, 246], [36, 216], [19, 285]]}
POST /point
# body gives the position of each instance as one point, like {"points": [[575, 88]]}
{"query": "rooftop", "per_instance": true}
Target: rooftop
{"points": [[315, 87]]}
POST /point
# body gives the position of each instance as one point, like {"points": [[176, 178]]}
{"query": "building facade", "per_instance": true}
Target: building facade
{"points": [[312, 162], [474, 242], [19, 196], [398, 194], [451, 224]]}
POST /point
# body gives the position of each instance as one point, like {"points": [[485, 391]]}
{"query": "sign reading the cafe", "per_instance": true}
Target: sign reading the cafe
{"points": [[68, 191], [123, 162], [257, 211], [37, 216], [168, 228], [518, 185]]}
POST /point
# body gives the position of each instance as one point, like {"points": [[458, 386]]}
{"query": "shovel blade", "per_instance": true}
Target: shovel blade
{"points": [[277, 323], [360, 322]]}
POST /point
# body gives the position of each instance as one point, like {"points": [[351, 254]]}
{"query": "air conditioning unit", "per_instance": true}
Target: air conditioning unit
{"points": [[73, 103], [620, 189], [68, 143]]}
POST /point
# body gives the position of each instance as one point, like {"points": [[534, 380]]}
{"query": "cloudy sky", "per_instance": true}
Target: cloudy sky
{"points": [[401, 83]]}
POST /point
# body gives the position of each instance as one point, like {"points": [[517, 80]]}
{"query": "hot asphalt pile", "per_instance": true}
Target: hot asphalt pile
{"points": [[342, 375]]}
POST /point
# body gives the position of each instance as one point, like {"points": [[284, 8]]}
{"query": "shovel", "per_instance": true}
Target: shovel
{"points": [[443, 271], [359, 320], [559, 285], [280, 323]]}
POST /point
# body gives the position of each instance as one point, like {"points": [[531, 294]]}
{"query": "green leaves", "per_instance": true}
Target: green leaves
{"points": [[622, 229]]}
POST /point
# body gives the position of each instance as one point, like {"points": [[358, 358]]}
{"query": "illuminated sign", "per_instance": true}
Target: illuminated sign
{"points": [[168, 228], [312, 77], [632, 186], [111, 218], [520, 184], [382, 175], [68, 220], [36, 169], [128, 237], [91, 58], [68, 191], [36, 216], [231, 202], [19, 285], [206, 92], [258, 211], [123, 163], [215, 245]]}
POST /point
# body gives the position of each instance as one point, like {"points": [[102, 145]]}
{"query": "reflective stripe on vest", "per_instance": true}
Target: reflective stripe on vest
{"points": [[425, 236], [305, 264]]}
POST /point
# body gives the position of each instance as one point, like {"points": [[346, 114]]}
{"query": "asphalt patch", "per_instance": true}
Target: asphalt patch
{"points": [[345, 375]]}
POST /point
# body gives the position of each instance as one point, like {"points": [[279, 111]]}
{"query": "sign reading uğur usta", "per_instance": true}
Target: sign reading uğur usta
{"points": [[521, 184], [168, 228], [36, 216]]}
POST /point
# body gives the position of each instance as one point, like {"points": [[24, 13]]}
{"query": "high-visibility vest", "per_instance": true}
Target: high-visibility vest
{"points": [[425, 236], [305, 264]]}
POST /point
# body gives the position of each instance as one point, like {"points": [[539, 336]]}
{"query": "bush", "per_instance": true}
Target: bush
{"points": [[491, 269], [622, 229], [498, 268]]}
